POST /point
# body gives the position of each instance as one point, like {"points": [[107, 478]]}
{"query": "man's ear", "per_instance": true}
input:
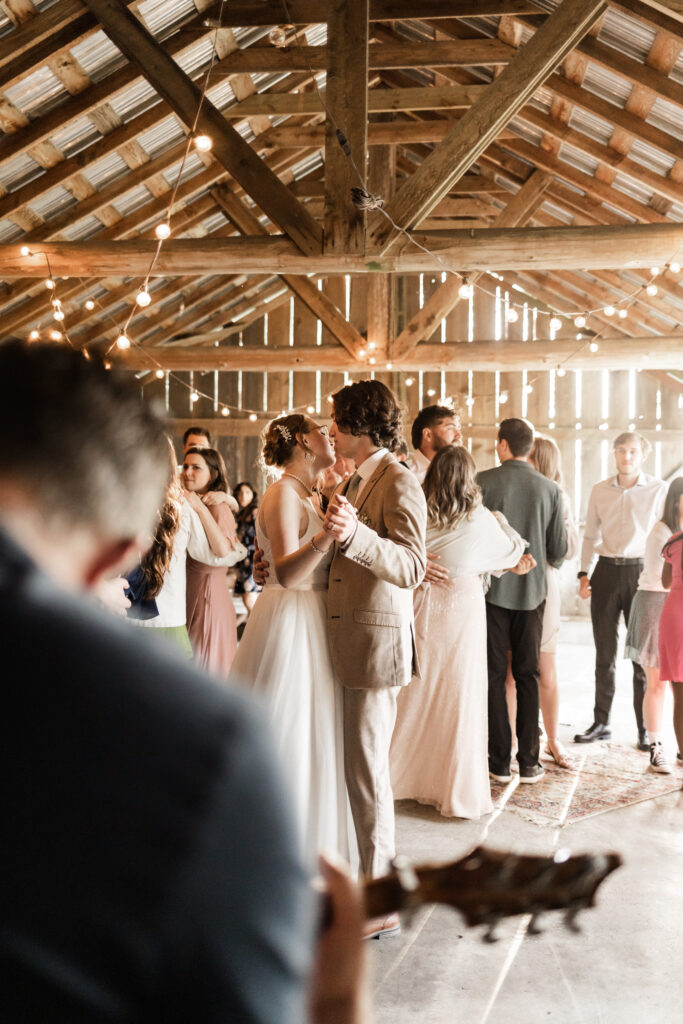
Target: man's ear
{"points": [[426, 435], [110, 557]]}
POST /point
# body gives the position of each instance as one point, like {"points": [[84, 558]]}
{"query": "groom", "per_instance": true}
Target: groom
{"points": [[378, 519]]}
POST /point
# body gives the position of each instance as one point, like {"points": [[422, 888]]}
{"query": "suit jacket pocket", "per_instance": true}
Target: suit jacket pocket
{"points": [[370, 618]]}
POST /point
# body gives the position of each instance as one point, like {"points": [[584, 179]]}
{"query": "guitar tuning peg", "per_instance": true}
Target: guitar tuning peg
{"points": [[533, 928], [570, 917]]}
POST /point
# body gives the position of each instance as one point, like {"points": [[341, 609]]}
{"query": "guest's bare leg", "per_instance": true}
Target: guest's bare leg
{"points": [[550, 708], [678, 713], [511, 699], [653, 701]]}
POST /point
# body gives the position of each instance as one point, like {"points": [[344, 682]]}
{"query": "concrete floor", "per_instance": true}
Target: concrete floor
{"points": [[625, 966]]}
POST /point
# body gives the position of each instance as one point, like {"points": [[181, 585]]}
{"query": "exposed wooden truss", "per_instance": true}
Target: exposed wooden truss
{"points": [[469, 156]]}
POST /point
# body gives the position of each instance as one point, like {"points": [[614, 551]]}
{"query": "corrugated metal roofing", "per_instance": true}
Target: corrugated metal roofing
{"points": [[41, 91]]}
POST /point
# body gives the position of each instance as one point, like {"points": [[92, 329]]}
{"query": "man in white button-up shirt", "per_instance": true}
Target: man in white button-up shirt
{"points": [[621, 512]]}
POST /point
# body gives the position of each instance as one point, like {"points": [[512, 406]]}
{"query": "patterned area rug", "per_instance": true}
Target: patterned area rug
{"points": [[606, 776]]}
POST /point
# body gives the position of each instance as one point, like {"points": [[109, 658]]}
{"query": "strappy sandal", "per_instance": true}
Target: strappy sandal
{"points": [[561, 760]]}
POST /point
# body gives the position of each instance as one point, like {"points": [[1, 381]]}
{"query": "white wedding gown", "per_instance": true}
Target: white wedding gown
{"points": [[284, 656]]}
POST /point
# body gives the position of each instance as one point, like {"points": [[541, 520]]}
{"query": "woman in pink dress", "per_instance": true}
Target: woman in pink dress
{"points": [[211, 621], [671, 627]]}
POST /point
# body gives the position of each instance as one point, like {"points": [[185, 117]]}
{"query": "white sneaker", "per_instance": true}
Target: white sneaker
{"points": [[658, 761]]}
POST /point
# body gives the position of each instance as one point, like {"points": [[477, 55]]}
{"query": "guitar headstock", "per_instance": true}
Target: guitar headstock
{"points": [[487, 885]]}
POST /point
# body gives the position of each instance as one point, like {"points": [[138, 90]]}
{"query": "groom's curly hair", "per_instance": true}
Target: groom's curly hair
{"points": [[369, 407]]}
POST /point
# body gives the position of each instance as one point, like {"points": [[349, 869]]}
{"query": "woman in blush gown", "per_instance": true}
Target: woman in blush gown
{"points": [[284, 653], [439, 751], [211, 621]]}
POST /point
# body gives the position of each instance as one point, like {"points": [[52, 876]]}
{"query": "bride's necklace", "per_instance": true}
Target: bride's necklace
{"points": [[309, 490]]}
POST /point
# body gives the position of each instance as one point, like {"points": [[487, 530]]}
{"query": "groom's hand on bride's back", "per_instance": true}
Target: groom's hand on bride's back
{"points": [[260, 567]]}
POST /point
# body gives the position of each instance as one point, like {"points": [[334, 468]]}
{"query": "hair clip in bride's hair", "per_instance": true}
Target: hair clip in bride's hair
{"points": [[284, 432]]}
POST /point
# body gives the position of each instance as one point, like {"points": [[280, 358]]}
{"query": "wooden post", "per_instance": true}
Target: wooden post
{"points": [[347, 113]]}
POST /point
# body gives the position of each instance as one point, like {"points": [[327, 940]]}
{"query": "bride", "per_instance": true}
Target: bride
{"points": [[284, 652]]}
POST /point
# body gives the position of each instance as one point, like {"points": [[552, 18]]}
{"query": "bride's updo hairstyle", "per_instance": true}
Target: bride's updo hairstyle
{"points": [[279, 439]]}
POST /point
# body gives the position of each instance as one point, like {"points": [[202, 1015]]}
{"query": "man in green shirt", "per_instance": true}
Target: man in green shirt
{"points": [[532, 504]]}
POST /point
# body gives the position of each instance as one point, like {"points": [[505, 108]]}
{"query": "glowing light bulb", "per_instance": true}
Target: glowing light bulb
{"points": [[555, 323], [25, 251], [503, 397], [579, 336], [225, 411], [652, 289], [203, 143], [465, 290], [89, 304], [310, 408], [163, 230], [362, 353], [551, 425], [623, 313], [50, 285], [578, 425], [159, 375], [58, 314], [253, 417], [390, 366], [604, 426], [372, 360], [561, 372], [631, 426], [675, 268], [594, 346], [529, 388], [409, 382], [579, 321], [469, 402], [372, 346], [278, 36], [143, 298], [55, 335], [610, 310], [512, 316], [123, 341], [654, 271], [34, 335], [194, 397]]}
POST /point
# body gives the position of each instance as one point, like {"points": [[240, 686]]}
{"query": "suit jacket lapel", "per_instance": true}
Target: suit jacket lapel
{"points": [[384, 464]]}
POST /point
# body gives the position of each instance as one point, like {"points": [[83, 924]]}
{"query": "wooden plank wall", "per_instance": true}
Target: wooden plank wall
{"points": [[617, 398]]}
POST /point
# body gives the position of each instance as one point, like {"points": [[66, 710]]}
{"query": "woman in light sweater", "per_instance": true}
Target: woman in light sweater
{"points": [[643, 622], [439, 752]]}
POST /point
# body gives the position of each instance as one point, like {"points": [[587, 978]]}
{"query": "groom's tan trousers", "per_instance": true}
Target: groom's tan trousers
{"points": [[369, 719]]}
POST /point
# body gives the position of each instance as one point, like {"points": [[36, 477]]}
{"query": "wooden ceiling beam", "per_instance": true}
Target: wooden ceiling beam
{"points": [[394, 132], [347, 113], [665, 19], [380, 101], [620, 64], [305, 289], [381, 56], [484, 121], [229, 148], [446, 297], [664, 353], [606, 248], [660, 184]]}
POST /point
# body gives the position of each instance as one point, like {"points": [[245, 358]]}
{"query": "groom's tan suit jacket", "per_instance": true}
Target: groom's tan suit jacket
{"points": [[370, 601]]}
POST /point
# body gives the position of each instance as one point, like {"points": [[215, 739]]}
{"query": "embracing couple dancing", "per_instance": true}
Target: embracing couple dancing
{"points": [[330, 640]]}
